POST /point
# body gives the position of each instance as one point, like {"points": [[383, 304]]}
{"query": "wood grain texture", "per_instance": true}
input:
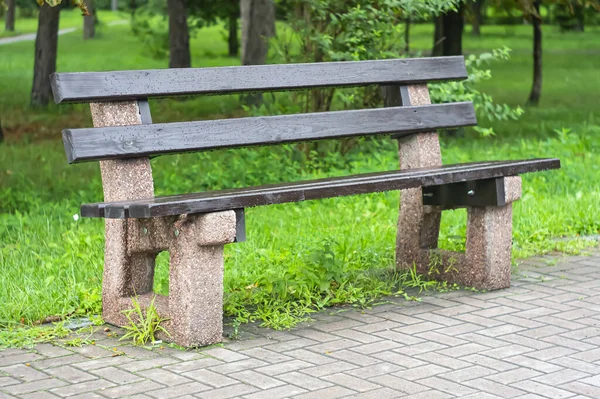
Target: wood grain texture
{"points": [[314, 189], [135, 141], [133, 85]]}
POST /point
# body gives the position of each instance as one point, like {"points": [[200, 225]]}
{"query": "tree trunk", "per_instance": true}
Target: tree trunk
{"points": [[447, 37], [46, 45], [438, 37], [10, 15], [454, 23], [114, 6], [234, 44], [536, 89], [179, 35], [407, 36], [477, 8], [89, 21], [258, 25]]}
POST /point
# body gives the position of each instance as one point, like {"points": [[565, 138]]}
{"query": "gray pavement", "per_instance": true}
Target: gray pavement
{"points": [[538, 339]]}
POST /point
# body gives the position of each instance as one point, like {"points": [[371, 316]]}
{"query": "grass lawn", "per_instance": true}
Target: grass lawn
{"points": [[51, 264]]}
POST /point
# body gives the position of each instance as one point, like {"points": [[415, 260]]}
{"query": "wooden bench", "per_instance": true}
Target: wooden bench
{"points": [[195, 227]]}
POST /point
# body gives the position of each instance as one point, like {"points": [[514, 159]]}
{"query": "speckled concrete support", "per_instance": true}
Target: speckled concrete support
{"points": [[418, 225], [486, 263], [194, 307]]}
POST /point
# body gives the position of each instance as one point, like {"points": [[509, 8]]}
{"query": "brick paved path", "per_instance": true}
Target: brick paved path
{"points": [[538, 339]]}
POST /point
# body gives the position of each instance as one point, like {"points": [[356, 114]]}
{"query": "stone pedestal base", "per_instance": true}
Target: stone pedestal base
{"points": [[194, 307], [486, 263]]}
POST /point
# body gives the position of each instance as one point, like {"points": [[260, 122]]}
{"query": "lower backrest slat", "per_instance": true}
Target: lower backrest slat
{"points": [[146, 140]]}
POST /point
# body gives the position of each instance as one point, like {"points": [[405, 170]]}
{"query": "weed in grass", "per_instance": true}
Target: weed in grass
{"points": [[143, 324]]}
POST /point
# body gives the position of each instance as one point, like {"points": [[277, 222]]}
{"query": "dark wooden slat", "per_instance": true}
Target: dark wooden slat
{"points": [[144, 140], [133, 85], [307, 190]]}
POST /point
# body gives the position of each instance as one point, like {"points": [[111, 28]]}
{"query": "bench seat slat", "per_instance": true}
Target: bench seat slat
{"points": [[135, 85], [143, 140], [314, 189]]}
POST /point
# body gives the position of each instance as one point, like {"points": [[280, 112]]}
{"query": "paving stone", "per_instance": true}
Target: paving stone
{"points": [[117, 376], [375, 370], [5, 381], [164, 377], [543, 389], [561, 377], [399, 384], [40, 395], [467, 373], [48, 350], [495, 388], [286, 346], [450, 387], [231, 391], [191, 388], [444, 361], [523, 361], [286, 391], [71, 374], [196, 364], [331, 368], [58, 361], [266, 355], [82, 387], [20, 358], [425, 371], [257, 379], [225, 355], [23, 372], [351, 382], [234, 367], [285, 367], [514, 375], [381, 393], [37, 385], [209, 378], [310, 357], [303, 380], [146, 364], [327, 393]]}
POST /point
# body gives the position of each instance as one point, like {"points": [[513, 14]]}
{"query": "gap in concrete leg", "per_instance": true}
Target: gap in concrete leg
{"points": [[161, 273], [453, 230]]}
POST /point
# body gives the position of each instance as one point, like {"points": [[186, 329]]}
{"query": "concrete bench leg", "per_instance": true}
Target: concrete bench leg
{"points": [[196, 279], [486, 263], [488, 248]]}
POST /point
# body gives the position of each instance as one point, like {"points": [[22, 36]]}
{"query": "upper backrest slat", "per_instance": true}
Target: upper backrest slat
{"points": [[136, 85], [143, 140]]}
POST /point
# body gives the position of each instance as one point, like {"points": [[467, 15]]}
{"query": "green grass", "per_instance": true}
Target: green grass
{"points": [[298, 257], [68, 19]]}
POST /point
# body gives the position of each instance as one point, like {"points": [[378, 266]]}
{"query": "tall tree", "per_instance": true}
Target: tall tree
{"points": [[114, 6], [536, 89], [11, 7], [258, 25], [477, 17], [46, 45], [89, 21], [179, 35], [232, 38], [447, 37]]}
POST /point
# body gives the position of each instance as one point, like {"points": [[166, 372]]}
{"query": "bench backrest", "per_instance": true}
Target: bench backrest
{"points": [[118, 142]]}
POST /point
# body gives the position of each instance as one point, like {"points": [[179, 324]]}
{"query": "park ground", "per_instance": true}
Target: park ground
{"points": [[51, 264]]}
